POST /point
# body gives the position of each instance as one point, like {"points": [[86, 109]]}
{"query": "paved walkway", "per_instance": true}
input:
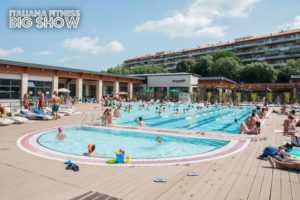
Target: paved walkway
{"points": [[241, 176]]}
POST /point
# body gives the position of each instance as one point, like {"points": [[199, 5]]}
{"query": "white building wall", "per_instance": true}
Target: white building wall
{"points": [[170, 81]]}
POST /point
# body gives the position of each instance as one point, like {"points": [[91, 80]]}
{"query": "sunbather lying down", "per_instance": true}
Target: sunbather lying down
{"points": [[286, 163]]}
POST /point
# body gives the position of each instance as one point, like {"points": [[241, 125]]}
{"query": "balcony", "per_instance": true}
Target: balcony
{"points": [[267, 42], [278, 64], [282, 40], [263, 58]]}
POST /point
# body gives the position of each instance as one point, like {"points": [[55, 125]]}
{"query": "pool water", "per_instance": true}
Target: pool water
{"points": [[295, 152], [138, 145], [210, 119]]}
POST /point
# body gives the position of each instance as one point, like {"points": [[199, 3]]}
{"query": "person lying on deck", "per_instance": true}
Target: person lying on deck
{"points": [[3, 112], [286, 163]]}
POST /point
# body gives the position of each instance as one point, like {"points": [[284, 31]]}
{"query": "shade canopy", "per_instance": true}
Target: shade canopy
{"points": [[65, 90]]}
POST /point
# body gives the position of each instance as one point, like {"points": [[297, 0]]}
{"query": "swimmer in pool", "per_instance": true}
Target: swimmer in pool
{"points": [[159, 139], [91, 149], [140, 121], [60, 135]]}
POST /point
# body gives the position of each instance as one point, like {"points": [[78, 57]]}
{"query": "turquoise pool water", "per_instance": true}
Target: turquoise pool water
{"points": [[295, 152], [136, 144], [213, 118]]}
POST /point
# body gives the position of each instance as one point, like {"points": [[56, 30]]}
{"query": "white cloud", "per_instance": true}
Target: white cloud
{"points": [[43, 53], [68, 59], [8, 52], [198, 19], [90, 45], [292, 25]]}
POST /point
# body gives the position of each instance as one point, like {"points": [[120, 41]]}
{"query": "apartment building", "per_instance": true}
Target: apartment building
{"points": [[274, 49]]}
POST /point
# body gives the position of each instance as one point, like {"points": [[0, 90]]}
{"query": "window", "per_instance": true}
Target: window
{"points": [[44, 86], [10, 89]]}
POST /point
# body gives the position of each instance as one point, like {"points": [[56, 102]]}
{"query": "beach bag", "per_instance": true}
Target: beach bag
{"points": [[295, 140], [270, 151]]}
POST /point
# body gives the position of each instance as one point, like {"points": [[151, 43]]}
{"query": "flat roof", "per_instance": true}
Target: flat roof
{"points": [[51, 67], [216, 78], [166, 74]]}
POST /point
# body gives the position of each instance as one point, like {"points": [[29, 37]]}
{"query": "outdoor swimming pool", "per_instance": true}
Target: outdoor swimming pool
{"points": [[136, 144], [208, 119]]}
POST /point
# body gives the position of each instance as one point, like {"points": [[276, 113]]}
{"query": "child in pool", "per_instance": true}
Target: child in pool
{"points": [[159, 139], [91, 149], [60, 135]]}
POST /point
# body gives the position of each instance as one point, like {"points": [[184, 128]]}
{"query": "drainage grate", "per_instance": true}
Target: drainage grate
{"points": [[94, 196]]}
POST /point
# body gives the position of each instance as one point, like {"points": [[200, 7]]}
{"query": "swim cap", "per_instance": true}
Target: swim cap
{"points": [[60, 129]]}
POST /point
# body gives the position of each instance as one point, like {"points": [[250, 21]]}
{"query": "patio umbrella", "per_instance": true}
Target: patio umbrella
{"points": [[64, 90]]}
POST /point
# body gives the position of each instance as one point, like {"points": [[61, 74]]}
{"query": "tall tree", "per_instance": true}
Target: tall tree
{"points": [[225, 54], [227, 67], [257, 73], [284, 73], [148, 69], [185, 65], [204, 66]]}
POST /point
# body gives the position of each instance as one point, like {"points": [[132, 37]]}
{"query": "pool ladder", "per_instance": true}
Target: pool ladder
{"points": [[88, 119]]}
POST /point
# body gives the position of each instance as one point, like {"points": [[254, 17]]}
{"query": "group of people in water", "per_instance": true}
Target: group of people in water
{"points": [[253, 122]]}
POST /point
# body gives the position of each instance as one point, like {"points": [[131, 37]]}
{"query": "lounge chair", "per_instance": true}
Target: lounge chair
{"points": [[5, 121], [49, 112], [19, 120], [66, 111], [30, 115]]}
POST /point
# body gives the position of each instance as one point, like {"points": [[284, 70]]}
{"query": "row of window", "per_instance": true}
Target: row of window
{"points": [[11, 89]]}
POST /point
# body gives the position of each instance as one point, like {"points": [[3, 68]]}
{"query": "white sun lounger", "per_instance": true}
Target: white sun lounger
{"points": [[19, 120], [66, 111], [49, 110], [30, 115], [4, 121]]}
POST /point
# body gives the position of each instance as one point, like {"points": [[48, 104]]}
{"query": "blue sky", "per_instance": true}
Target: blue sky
{"points": [[115, 30]]}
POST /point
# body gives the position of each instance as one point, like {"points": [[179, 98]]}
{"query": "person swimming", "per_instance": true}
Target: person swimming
{"points": [[60, 135], [159, 139], [140, 121], [91, 149]]}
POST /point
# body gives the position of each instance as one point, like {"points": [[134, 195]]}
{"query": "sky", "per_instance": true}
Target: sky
{"points": [[110, 32]]}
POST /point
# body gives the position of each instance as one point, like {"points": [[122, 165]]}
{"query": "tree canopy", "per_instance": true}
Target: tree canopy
{"points": [[204, 66], [185, 65], [257, 73], [146, 69], [284, 73], [224, 63], [227, 67]]}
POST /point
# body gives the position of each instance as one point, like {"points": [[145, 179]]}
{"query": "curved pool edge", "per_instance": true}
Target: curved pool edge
{"points": [[29, 144]]}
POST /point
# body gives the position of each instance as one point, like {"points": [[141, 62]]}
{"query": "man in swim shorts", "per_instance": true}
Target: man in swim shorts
{"points": [[41, 100], [56, 103], [26, 100]]}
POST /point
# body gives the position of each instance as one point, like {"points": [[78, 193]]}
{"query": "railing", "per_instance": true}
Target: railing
{"points": [[89, 119]]}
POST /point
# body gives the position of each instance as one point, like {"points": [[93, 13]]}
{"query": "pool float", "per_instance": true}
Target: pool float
{"points": [[112, 161], [128, 159]]}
